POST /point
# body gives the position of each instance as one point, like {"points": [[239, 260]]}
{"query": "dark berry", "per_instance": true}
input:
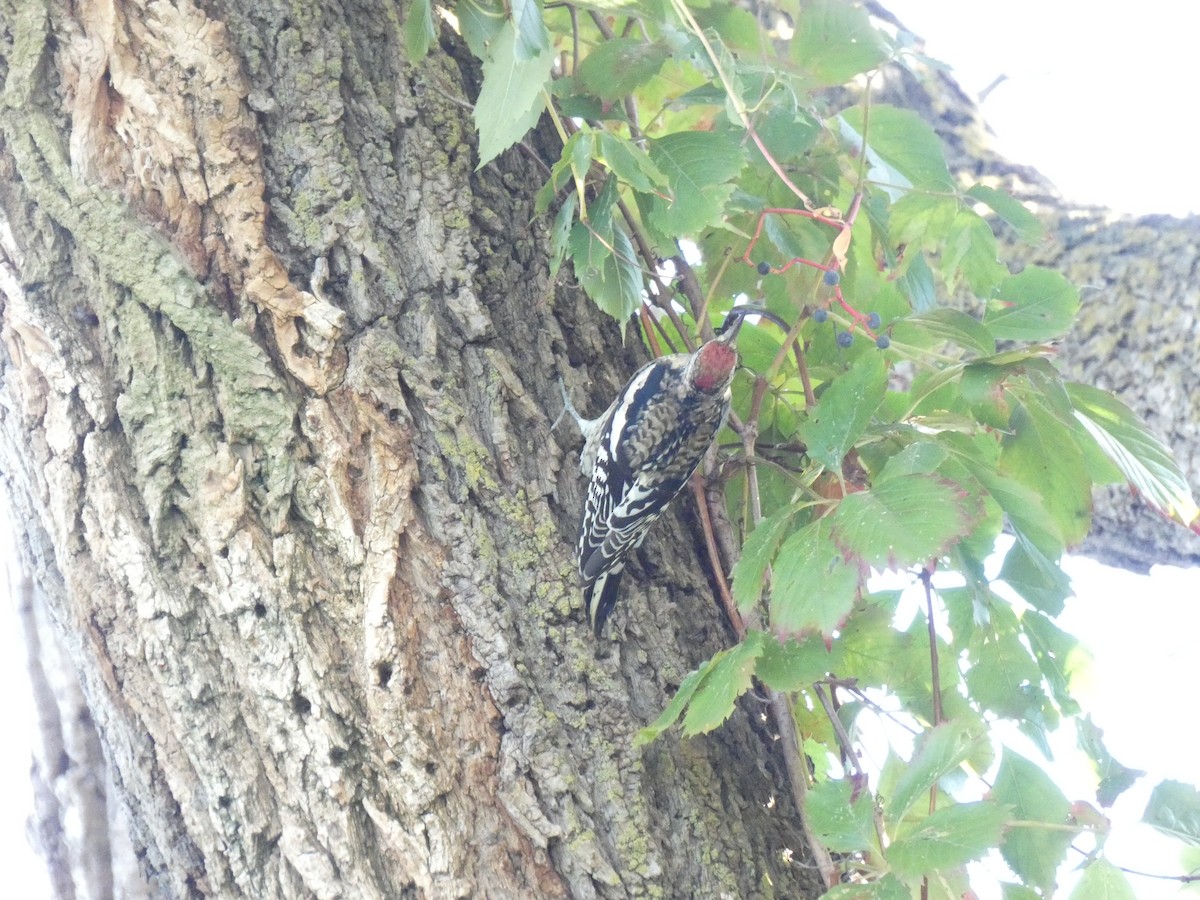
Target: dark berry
{"points": [[882, 342], [764, 268], [832, 277], [820, 314], [844, 339], [873, 321]]}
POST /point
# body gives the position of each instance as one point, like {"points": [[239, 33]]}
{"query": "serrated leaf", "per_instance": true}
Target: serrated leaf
{"points": [[971, 251], [1027, 226], [563, 222], [418, 29], [619, 66], [1059, 655], [606, 265], [1114, 778], [939, 751], [906, 142], [1101, 880], [630, 163], [757, 553], [510, 100], [904, 521], [1038, 579], [1143, 459], [1033, 853], [814, 587], [918, 458], [1002, 674], [674, 710], [795, 664], [1041, 453], [698, 166], [730, 676], [1174, 809], [948, 324], [952, 836], [917, 283], [844, 411], [1034, 305], [480, 22], [842, 822], [834, 41], [532, 37]]}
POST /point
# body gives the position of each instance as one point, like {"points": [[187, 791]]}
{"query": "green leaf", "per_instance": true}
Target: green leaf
{"points": [[918, 458], [1143, 459], [620, 65], [835, 40], [906, 142], [675, 708], [563, 222], [1115, 778], [971, 251], [1174, 809], [1002, 673], [630, 163], [480, 22], [905, 520], [1034, 305], [729, 678], [1018, 892], [889, 887], [952, 836], [939, 752], [843, 822], [1040, 453], [605, 264], [814, 587], [794, 665], [510, 100], [698, 165], [1101, 880], [757, 554], [946, 324], [844, 411], [1027, 226], [1039, 580], [418, 29], [1033, 853], [532, 37], [1059, 655]]}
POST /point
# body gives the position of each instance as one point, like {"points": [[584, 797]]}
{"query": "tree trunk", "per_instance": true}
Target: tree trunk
{"points": [[279, 376]]}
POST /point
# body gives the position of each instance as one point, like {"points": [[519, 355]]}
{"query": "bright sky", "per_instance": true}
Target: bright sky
{"points": [[1101, 101], [1099, 97]]}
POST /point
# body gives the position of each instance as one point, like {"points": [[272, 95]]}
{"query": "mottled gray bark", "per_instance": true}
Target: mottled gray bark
{"points": [[278, 377]]}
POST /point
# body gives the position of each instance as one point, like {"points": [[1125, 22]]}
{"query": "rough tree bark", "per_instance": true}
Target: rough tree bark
{"points": [[278, 375], [279, 372]]}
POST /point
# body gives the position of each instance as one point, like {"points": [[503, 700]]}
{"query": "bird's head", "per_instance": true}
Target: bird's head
{"points": [[713, 364]]}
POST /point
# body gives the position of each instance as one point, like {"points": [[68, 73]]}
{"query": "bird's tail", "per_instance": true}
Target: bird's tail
{"points": [[601, 598]]}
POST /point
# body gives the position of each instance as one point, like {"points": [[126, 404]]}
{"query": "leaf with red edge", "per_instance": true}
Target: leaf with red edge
{"points": [[905, 520]]}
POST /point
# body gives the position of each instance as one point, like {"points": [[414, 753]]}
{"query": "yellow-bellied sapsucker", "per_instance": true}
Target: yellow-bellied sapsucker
{"points": [[642, 451]]}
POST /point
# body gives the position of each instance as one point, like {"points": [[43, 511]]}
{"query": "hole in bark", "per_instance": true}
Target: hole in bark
{"points": [[337, 755], [223, 553], [393, 415], [260, 610], [354, 472], [383, 672], [224, 802], [301, 704], [430, 768]]}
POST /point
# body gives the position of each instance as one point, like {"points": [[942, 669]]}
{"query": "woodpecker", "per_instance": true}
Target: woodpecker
{"points": [[641, 452]]}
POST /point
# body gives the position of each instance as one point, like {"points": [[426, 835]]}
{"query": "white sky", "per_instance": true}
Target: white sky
{"points": [[1102, 102], [1100, 97]]}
